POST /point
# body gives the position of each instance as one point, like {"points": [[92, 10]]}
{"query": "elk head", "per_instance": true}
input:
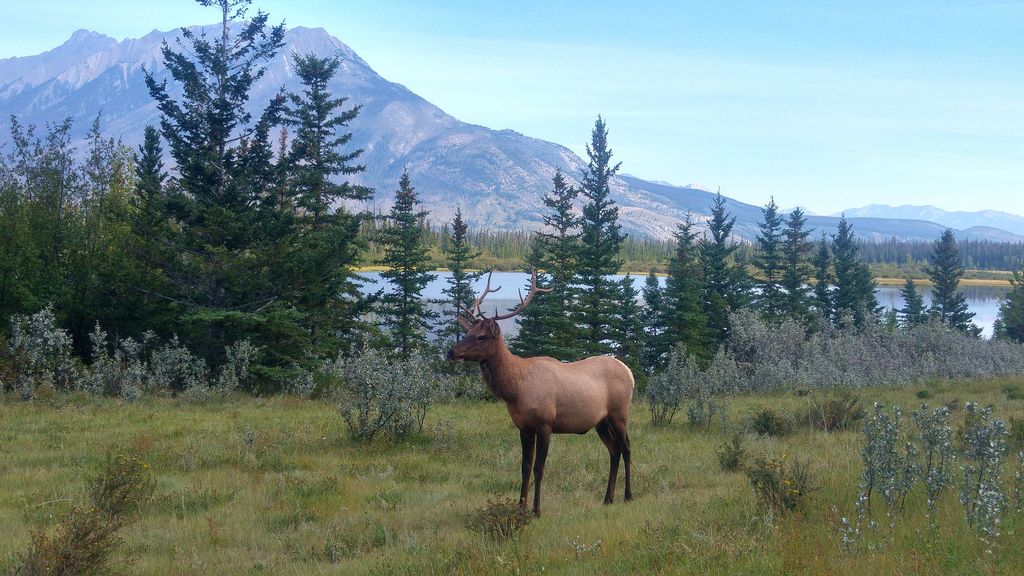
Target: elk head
{"points": [[483, 335]]}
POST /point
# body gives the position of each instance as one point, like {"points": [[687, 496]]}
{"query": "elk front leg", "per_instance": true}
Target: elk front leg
{"points": [[528, 440], [543, 439]]}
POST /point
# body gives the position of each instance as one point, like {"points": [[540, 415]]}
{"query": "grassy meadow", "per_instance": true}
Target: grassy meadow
{"points": [[275, 486]]}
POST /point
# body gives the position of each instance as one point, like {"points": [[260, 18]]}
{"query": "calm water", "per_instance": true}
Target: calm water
{"points": [[982, 300]]}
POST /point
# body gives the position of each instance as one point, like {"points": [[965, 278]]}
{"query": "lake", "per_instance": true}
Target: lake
{"points": [[982, 300]]}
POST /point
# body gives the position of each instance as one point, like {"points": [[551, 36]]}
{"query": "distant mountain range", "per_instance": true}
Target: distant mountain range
{"points": [[496, 176], [958, 220]]}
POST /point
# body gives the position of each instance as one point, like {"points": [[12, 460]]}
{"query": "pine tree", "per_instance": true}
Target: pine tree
{"points": [[855, 288], [1010, 322], [655, 328], [459, 256], [686, 319], [796, 271], [547, 327], [913, 313], [408, 271], [823, 291], [601, 244], [949, 304], [769, 260], [726, 285], [318, 274], [223, 158]]}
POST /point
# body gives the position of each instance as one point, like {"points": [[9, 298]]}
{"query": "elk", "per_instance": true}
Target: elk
{"points": [[545, 396]]}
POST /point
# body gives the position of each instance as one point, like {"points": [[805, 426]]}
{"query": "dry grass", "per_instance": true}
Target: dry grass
{"points": [[274, 486]]}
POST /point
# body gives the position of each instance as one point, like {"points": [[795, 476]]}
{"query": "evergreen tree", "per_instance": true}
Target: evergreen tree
{"points": [[223, 157], [601, 244], [629, 325], [655, 330], [408, 271], [796, 271], [770, 261], [1010, 322], [823, 279], [726, 285], [547, 327], [318, 272], [685, 319], [459, 256], [855, 288], [913, 313], [945, 272]]}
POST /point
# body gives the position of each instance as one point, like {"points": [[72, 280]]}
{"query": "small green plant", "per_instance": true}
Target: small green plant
{"points": [[983, 448], [768, 422], [732, 454], [501, 518], [837, 411], [780, 487], [86, 537], [924, 394], [1013, 392]]}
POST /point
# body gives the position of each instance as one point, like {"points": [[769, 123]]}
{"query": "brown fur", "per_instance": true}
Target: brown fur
{"points": [[545, 396]]}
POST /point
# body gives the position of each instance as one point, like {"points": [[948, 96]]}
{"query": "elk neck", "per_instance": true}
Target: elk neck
{"points": [[501, 373]]}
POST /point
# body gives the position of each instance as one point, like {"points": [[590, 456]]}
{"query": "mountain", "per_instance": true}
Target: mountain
{"points": [[986, 219], [496, 176]]}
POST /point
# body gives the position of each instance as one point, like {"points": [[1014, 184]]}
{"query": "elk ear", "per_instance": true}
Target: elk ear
{"points": [[465, 323], [493, 328]]}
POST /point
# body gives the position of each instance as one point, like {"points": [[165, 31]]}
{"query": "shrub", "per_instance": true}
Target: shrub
{"points": [[238, 358], [839, 410], [935, 442], [924, 394], [667, 389], [86, 537], [983, 447], [768, 422], [501, 518], [780, 487], [1013, 392], [174, 368], [41, 354], [122, 374], [732, 454], [379, 394]]}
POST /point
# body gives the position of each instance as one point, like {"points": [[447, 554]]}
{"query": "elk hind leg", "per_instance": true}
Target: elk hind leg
{"points": [[622, 438], [604, 430]]}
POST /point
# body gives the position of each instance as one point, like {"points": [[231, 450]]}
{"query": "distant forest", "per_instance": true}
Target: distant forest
{"points": [[507, 250]]}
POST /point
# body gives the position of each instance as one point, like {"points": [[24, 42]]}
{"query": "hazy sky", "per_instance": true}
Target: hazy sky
{"points": [[828, 105]]}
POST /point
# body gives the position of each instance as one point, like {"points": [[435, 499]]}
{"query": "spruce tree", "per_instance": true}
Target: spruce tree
{"points": [[855, 288], [769, 260], [547, 327], [949, 304], [459, 256], [655, 330], [823, 279], [726, 285], [222, 157], [407, 260], [1010, 322], [601, 243], [685, 319], [796, 271], [629, 325], [318, 273], [913, 313]]}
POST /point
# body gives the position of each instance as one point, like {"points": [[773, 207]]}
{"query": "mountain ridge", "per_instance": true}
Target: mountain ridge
{"points": [[497, 177]]}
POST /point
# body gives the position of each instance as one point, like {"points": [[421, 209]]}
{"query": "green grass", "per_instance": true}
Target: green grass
{"points": [[274, 486]]}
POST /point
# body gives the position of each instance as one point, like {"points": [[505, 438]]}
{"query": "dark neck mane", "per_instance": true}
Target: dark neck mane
{"points": [[501, 373]]}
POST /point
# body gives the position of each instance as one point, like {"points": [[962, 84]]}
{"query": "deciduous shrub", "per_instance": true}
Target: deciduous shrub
{"points": [[780, 487], [768, 422], [40, 354], [983, 448], [378, 394], [501, 518], [732, 455]]}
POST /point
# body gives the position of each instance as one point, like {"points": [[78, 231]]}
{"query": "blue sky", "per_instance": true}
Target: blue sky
{"points": [[827, 105]]}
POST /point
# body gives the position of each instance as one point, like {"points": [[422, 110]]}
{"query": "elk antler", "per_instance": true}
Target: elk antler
{"points": [[524, 302], [475, 312]]}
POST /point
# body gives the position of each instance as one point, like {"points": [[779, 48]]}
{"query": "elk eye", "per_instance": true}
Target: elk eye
{"points": [[482, 337]]}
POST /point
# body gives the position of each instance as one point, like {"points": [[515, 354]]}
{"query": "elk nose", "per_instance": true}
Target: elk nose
{"points": [[450, 355]]}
